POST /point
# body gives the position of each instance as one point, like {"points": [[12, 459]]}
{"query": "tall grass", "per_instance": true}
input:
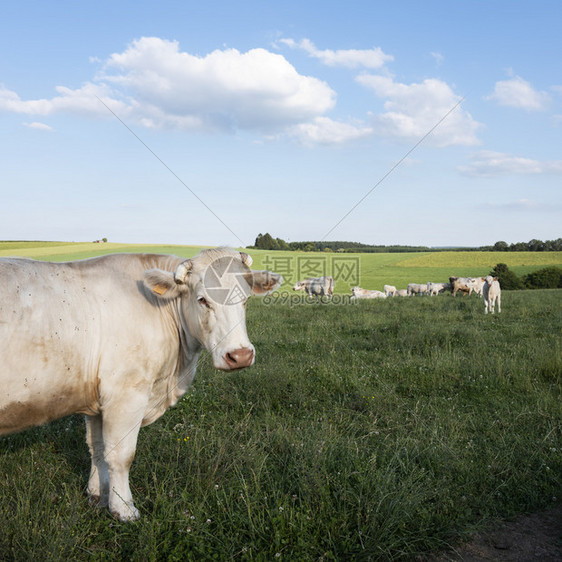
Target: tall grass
{"points": [[374, 431]]}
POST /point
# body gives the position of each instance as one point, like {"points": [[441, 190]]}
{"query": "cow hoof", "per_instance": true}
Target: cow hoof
{"points": [[130, 514]]}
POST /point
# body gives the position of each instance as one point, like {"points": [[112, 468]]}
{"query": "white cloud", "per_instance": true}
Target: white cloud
{"points": [[488, 163], [327, 131], [412, 110], [438, 58], [38, 126], [225, 89], [83, 100], [517, 92], [349, 58], [157, 85], [152, 83]]}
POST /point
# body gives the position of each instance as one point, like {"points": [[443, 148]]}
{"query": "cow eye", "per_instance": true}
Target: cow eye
{"points": [[203, 301]]}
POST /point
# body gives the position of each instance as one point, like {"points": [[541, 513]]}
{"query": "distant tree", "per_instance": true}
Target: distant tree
{"points": [[507, 278], [553, 245], [265, 241], [545, 278], [518, 247], [501, 246], [104, 240], [535, 245]]}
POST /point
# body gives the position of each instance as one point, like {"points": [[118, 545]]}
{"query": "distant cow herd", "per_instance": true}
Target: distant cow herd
{"points": [[487, 287]]}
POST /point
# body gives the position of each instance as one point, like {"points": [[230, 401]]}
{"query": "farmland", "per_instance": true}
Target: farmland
{"points": [[370, 271], [378, 430]]}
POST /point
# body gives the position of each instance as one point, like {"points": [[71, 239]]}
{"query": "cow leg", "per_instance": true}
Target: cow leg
{"points": [[499, 304], [121, 424], [98, 484]]}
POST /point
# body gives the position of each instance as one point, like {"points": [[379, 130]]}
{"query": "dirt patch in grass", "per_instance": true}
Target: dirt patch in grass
{"points": [[528, 537]]}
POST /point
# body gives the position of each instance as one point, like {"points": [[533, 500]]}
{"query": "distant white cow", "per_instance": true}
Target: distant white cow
{"points": [[359, 293], [436, 288], [463, 284], [478, 284], [417, 289], [491, 293], [316, 286], [402, 293], [389, 290]]}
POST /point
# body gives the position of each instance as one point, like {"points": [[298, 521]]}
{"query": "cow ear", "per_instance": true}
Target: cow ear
{"points": [[264, 282], [162, 284], [246, 259]]}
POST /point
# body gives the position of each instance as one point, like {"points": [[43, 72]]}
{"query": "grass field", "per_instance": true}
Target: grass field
{"points": [[379, 430], [370, 271]]}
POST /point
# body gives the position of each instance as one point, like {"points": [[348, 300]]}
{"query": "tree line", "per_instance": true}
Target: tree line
{"points": [[533, 245], [268, 242], [545, 278]]}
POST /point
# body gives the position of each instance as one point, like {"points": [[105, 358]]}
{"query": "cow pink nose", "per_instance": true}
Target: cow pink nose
{"points": [[239, 358]]}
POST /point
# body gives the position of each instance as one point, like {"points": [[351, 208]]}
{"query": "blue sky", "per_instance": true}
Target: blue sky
{"points": [[210, 122]]}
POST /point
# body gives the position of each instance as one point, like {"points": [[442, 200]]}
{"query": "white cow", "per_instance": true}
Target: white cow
{"points": [[463, 284], [389, 290], [359, 293], [436, 288], [478, 284], [492, 293], [417, 289], [117, 338], [316, 286]]}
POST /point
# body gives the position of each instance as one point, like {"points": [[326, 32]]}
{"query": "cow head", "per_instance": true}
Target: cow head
{"points": [[211, 291], [299, 286]]}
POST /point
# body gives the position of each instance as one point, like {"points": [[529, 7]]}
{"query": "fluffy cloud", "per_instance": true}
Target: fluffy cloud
{"points": [[349, 58], [488, 163], [224, 89], [83, 100], [517, 92], [152, 83], [412, 110], [157, 85], [326, 131]]}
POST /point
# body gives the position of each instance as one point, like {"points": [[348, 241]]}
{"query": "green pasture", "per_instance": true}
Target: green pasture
{"points": [[373, 271], [370, 271], [67, 251], [377, 430]]}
